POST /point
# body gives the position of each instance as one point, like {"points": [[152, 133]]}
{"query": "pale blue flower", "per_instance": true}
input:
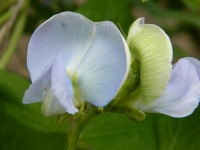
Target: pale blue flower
{"points": [[73, 60], [182, 94], [164, 88]]}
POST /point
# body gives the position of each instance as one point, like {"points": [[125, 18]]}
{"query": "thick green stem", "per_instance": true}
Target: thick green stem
{"points": [[78, 127]]}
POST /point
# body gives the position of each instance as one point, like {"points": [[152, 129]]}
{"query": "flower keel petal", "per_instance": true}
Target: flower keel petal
{"points": [[61, 85]]}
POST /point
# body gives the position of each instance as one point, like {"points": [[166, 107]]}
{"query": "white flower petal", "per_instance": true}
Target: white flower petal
{"points": [[61, 85], [105, 67], [182, 94], [51, 105], [36, 89], [65, 32], [96, 54], [54, 89]]}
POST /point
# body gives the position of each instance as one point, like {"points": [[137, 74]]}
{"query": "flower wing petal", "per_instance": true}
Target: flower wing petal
{"points": [[35, 92], [182, 94], [61, 85], [152, 47], [54, 89], [65, 32], [51, 105], [105, 67]]}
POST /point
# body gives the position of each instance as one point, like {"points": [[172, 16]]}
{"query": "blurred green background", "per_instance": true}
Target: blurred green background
{"points": [[23, 127]]}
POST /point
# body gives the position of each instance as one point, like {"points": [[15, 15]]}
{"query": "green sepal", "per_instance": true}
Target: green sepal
{"points": [[130, 111], [135, 114], [61, 118]]}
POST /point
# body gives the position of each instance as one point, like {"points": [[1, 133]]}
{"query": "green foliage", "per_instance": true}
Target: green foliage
{"points": [[12, 88], [193, 5], [14, 136], [178, 134], [24, 127], [108, 131], [112, 10], [116, 132]]}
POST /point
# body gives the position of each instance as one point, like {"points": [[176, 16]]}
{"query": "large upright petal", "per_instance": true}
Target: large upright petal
{"points": [[182, 94], [65, 32], [105, 67], [152, 47]]}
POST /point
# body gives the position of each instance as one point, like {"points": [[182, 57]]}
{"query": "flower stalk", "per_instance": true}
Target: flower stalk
{"points": [[78, 126]]}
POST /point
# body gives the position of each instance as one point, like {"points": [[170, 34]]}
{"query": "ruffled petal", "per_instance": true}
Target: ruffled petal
{"points": [[182, 94], [152, 47], [105, 67], [65, 32]]}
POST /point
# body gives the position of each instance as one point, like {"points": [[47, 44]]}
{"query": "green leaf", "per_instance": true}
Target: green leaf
{"points": [[14, 136], [157, 132], [145, 1], [193, 5], [112, 10], [12, 89], [116, 132], [178, 134], [164, 14]]}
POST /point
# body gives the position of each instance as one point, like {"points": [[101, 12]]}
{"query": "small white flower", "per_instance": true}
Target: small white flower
{"points": [[174, 91], [72, 60]]}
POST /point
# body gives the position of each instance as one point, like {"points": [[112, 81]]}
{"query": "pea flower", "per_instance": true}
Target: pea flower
{"points": [[73, 60], [164, 88]]}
